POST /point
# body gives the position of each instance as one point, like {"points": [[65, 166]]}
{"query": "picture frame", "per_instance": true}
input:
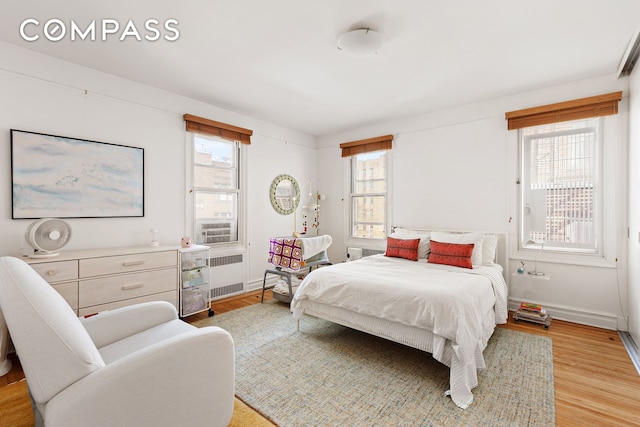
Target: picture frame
{"points": [[62, 177]]}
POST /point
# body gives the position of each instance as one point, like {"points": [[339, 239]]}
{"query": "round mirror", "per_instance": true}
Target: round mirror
{"points": [[283, 192]]}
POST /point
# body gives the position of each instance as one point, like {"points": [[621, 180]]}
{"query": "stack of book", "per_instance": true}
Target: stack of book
{"points": [[529, 310]]}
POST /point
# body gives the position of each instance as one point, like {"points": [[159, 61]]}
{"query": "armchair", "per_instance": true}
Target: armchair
{"points": [[135, 366]]}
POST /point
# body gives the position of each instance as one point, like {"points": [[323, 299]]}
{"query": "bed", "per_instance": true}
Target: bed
{"points": [[448, 306]]}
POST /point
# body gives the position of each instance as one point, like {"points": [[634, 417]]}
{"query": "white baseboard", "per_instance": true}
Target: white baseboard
{"points": [[252, 285], [581, 316]]}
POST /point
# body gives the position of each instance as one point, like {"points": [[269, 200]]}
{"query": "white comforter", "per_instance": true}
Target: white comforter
{"points": [[448, 301]]}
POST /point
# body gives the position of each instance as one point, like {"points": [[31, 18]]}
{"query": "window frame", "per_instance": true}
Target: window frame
{"points": [[598, 173], [612, 142], [240, 176], [351, 174]]}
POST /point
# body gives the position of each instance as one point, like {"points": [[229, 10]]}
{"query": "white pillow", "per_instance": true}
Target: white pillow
{"points": [[463, 238], [489, 246], [425, 240]]}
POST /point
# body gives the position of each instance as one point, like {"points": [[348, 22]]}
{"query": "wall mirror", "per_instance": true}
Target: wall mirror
{"points": [[283, 192]]}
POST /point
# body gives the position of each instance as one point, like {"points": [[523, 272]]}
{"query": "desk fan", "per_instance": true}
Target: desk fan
{"points": [[46, 236]]}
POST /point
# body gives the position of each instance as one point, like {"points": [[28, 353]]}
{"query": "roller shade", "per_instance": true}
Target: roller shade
{"points": [[221, 130], [366, 145], [584, 108]]}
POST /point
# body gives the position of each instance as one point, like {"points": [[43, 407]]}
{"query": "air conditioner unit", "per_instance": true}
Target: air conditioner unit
{"points": [[354, 254]]}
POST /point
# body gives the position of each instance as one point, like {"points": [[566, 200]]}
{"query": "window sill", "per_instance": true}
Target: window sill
{"points": [[525, 275], [588, 260]]}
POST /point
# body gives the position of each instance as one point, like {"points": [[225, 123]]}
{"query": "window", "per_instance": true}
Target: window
{"points": [[560, 191], [214, 165], [216, 189], [368, 193], [565, 192]]}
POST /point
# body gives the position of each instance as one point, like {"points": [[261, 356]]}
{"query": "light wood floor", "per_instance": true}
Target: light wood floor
{"points": [[596, 383]]}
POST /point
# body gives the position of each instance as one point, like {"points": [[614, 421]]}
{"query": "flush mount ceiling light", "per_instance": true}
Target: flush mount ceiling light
{"points": [[360, 42]]}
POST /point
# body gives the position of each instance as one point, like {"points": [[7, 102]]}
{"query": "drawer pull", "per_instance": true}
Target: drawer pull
{"points": [[132, 286], [131, 263], [52, 272]]}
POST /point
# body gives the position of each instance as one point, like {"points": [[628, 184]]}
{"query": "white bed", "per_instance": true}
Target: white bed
{"points": [[450, 312]]}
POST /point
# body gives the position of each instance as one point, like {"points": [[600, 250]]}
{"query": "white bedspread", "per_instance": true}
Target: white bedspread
{"points": [[448, 301]]}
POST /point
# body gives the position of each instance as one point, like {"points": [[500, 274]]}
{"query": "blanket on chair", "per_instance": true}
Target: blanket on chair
{"points": [[286, 253], [314, 245]]}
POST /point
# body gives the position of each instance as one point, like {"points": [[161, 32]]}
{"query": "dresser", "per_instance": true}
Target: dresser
{"points": [[103, 279]]}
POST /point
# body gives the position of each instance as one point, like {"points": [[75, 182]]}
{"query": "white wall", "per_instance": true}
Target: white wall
{"points": [[634, 206], [42, 94], [452, 169], [456, 169]]}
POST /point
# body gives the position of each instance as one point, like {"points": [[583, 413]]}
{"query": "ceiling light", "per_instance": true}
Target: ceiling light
{"points": [[360, 42]]}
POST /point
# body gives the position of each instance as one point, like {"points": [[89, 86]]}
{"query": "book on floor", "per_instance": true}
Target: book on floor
{"points": [[531, 309]]}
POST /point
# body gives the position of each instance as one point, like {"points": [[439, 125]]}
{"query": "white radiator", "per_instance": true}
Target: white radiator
{"points": [[227, 275]]}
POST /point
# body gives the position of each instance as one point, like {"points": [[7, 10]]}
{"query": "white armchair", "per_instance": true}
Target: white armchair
{"points": [[135, 366]]}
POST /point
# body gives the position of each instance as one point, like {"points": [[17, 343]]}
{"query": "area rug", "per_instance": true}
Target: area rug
{"points": [[330, 375], [15, 409]]}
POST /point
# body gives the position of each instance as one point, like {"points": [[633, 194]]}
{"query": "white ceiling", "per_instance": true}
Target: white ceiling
{"points": [[276, 60]]}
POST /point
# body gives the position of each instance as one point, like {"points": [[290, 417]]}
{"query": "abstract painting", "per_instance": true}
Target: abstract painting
{"points": [[61, 177]]}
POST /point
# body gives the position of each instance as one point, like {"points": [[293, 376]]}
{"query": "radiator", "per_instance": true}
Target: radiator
{"points": [[227, 275]]}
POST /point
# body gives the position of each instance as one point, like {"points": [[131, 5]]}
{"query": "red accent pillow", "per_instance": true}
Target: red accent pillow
{"points": [[402, 248], [458, 255]]}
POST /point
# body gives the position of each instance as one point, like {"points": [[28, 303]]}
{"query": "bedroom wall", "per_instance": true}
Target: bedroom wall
{"points": [[456, 169], [42, 94], [634, 206]]}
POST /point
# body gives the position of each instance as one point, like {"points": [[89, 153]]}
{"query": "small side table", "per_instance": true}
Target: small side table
{"points": [[542, 320]]}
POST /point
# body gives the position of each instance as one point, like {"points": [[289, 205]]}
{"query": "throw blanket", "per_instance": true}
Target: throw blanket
{"points": [[286, 253], [314, 245]]}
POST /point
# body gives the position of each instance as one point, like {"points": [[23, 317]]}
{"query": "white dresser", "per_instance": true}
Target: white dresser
{"points": [[103, 279]]}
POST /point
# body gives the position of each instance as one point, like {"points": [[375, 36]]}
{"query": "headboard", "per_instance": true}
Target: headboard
{"points": [[502, 250]]}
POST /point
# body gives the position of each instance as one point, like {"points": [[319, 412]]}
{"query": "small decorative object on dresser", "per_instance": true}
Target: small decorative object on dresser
{"points": [[532, 313], [154, 237], [185, 242]]}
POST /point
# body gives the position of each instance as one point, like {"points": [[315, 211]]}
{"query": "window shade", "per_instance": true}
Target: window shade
{"points": [[221, 130], [584, 108], [366, 145]]}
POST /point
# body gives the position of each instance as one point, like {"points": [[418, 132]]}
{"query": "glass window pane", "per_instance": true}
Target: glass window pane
{"points": [[213, 152], [216, 217], [370, 173], [560, 185], [368, 216], [207, 177]]}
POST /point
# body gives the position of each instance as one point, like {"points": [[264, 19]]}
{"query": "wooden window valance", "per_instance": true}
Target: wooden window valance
{"points": [[366, 145], [584, 108], [221, 130]]}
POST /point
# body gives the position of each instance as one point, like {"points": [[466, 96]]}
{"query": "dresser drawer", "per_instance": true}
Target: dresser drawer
{"points": [[92, 267], [126, 286], [69, 292], [57, 271], [171, 296]]}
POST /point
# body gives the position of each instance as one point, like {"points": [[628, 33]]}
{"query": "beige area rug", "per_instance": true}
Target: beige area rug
{"points": [[15, 409], [329, 375]]}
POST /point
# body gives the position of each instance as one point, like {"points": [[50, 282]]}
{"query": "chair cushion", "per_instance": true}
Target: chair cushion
{"points": [[124, 347]]}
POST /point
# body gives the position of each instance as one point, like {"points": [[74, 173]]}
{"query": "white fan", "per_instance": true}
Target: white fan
{"points": [[46, 236]]}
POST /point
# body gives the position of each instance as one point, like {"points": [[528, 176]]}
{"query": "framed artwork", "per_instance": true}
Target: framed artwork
{"points": [[61, 177]]}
